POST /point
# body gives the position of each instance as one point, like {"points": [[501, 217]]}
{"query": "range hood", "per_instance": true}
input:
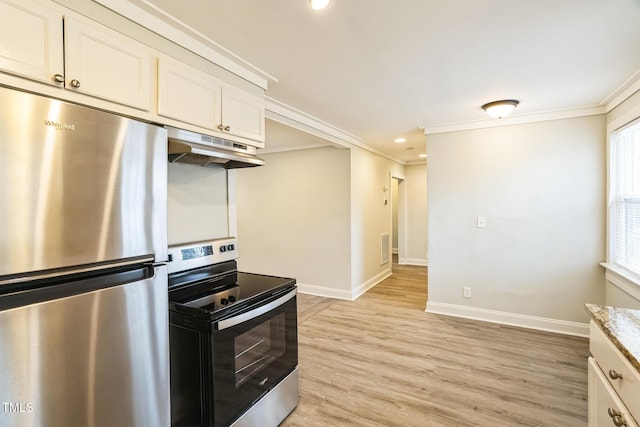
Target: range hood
{"points": [[206, 150]]}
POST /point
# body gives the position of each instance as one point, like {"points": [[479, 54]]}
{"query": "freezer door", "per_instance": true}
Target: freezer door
{"points": [[96, 359], [79, 186]]}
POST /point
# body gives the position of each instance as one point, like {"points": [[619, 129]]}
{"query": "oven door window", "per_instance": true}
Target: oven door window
{"points": [[252, 357], [259, 347]]}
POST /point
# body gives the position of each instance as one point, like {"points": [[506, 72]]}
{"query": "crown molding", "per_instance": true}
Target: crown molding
{"points": [[297, 119], [190, 39], [516, 120], [618, 96], [293, 148]]}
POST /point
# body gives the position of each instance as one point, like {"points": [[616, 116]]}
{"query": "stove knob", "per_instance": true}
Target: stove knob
{"points": [[232, 298], [224, 301], [231, 247]]}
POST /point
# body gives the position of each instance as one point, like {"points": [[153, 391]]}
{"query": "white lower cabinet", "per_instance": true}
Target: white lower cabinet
{"points": [[614, 384], [605, 407]]}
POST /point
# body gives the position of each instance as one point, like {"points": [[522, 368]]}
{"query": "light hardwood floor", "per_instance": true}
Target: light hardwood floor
{"points": [[382, 361]]}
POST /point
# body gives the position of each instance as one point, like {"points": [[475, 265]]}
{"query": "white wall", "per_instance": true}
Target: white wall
{"points": [[293, 219], [541, 187], [416, 214], [370, 217], [197, 203]]}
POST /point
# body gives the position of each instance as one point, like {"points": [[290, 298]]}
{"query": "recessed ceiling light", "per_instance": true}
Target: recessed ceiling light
{"points": [[400, 140], [319, 4], [423, 156]]}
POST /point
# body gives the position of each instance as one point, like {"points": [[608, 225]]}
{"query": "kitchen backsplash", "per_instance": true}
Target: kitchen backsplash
{"points": [[197, 203]]}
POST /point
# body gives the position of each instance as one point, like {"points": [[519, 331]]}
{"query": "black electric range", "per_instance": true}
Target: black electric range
{"points": [[204, 280], [233, 340]]}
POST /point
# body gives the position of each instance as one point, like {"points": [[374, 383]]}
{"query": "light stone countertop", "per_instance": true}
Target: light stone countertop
{"points": [[622, 326]]}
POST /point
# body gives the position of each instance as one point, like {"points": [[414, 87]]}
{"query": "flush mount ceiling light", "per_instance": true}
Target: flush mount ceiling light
{"points": [[319, 4], [500, 109], [400, 140]]}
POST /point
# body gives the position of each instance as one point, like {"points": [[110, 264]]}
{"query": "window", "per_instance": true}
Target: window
{"points": [[625, 198]]}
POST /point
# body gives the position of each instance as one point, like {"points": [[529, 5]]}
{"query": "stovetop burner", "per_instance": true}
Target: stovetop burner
{"points": [[204, 280]]}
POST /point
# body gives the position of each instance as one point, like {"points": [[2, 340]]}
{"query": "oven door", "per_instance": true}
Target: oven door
{"points": [[252, 352]]}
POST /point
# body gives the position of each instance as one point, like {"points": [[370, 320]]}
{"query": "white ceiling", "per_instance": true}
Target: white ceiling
{"points": [[381, 69]]}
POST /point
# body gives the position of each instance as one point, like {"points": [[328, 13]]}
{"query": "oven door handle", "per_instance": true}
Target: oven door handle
{"points": [[233, 321]]}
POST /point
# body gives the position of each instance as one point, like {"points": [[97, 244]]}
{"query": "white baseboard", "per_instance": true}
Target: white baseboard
{"points": [[356, 293], [512, 319], [413, 261], [324, 291]]}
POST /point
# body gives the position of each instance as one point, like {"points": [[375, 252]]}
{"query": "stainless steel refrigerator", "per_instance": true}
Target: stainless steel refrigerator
{"points": [[83, 287]]}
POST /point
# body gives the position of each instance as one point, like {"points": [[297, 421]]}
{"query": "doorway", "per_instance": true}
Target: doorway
{"points": [[398, 246]]}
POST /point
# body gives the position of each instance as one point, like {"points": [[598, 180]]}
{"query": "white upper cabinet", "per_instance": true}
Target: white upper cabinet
{"points": [[31, 41], [242, 114], [45, 47], [192, 96], [187, 94], [90, 59], [103, 63]]}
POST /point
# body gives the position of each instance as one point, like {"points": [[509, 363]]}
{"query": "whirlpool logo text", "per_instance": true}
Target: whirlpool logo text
{"points": [[59, 126]]}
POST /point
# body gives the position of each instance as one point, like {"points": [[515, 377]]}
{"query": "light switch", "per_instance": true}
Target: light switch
{"points": [[481, 222]]}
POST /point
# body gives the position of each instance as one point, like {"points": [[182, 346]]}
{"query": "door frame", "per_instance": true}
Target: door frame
{"points": [[401, 229]]}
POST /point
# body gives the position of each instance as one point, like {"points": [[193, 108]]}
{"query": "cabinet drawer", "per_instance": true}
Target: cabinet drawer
{"points": [[605, 408], [622, 376]]}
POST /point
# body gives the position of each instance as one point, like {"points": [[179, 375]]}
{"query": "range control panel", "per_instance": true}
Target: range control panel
{"points": [[199, 254]]}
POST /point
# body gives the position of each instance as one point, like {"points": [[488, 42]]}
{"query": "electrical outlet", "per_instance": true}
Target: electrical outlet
{"points": [[481, 222], [466, 292]]}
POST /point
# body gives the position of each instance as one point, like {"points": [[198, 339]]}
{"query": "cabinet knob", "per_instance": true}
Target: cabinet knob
{"points": [[220, 127], [58, 78], [614, 375], [616, 417], [618, 421], [227, 128], [75, 84]]}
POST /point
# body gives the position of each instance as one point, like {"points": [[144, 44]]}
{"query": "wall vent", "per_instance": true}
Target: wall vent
{"points": [[384, 248]]}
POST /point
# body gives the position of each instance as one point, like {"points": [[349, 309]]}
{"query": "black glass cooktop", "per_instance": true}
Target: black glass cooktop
{"points": [[219, 289]]}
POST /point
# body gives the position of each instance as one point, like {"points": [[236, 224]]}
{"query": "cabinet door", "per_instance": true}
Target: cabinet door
{"points": [[605, 408], [242, 114], [188, 94], [30, 40], [106, 64]]}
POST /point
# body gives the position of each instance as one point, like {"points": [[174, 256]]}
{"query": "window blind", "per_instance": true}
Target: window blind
{"points": [[626, 197]]}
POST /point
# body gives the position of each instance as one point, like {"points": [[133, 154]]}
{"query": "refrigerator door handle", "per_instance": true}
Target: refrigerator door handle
{"points": [[158, 264], [146, 260]]}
